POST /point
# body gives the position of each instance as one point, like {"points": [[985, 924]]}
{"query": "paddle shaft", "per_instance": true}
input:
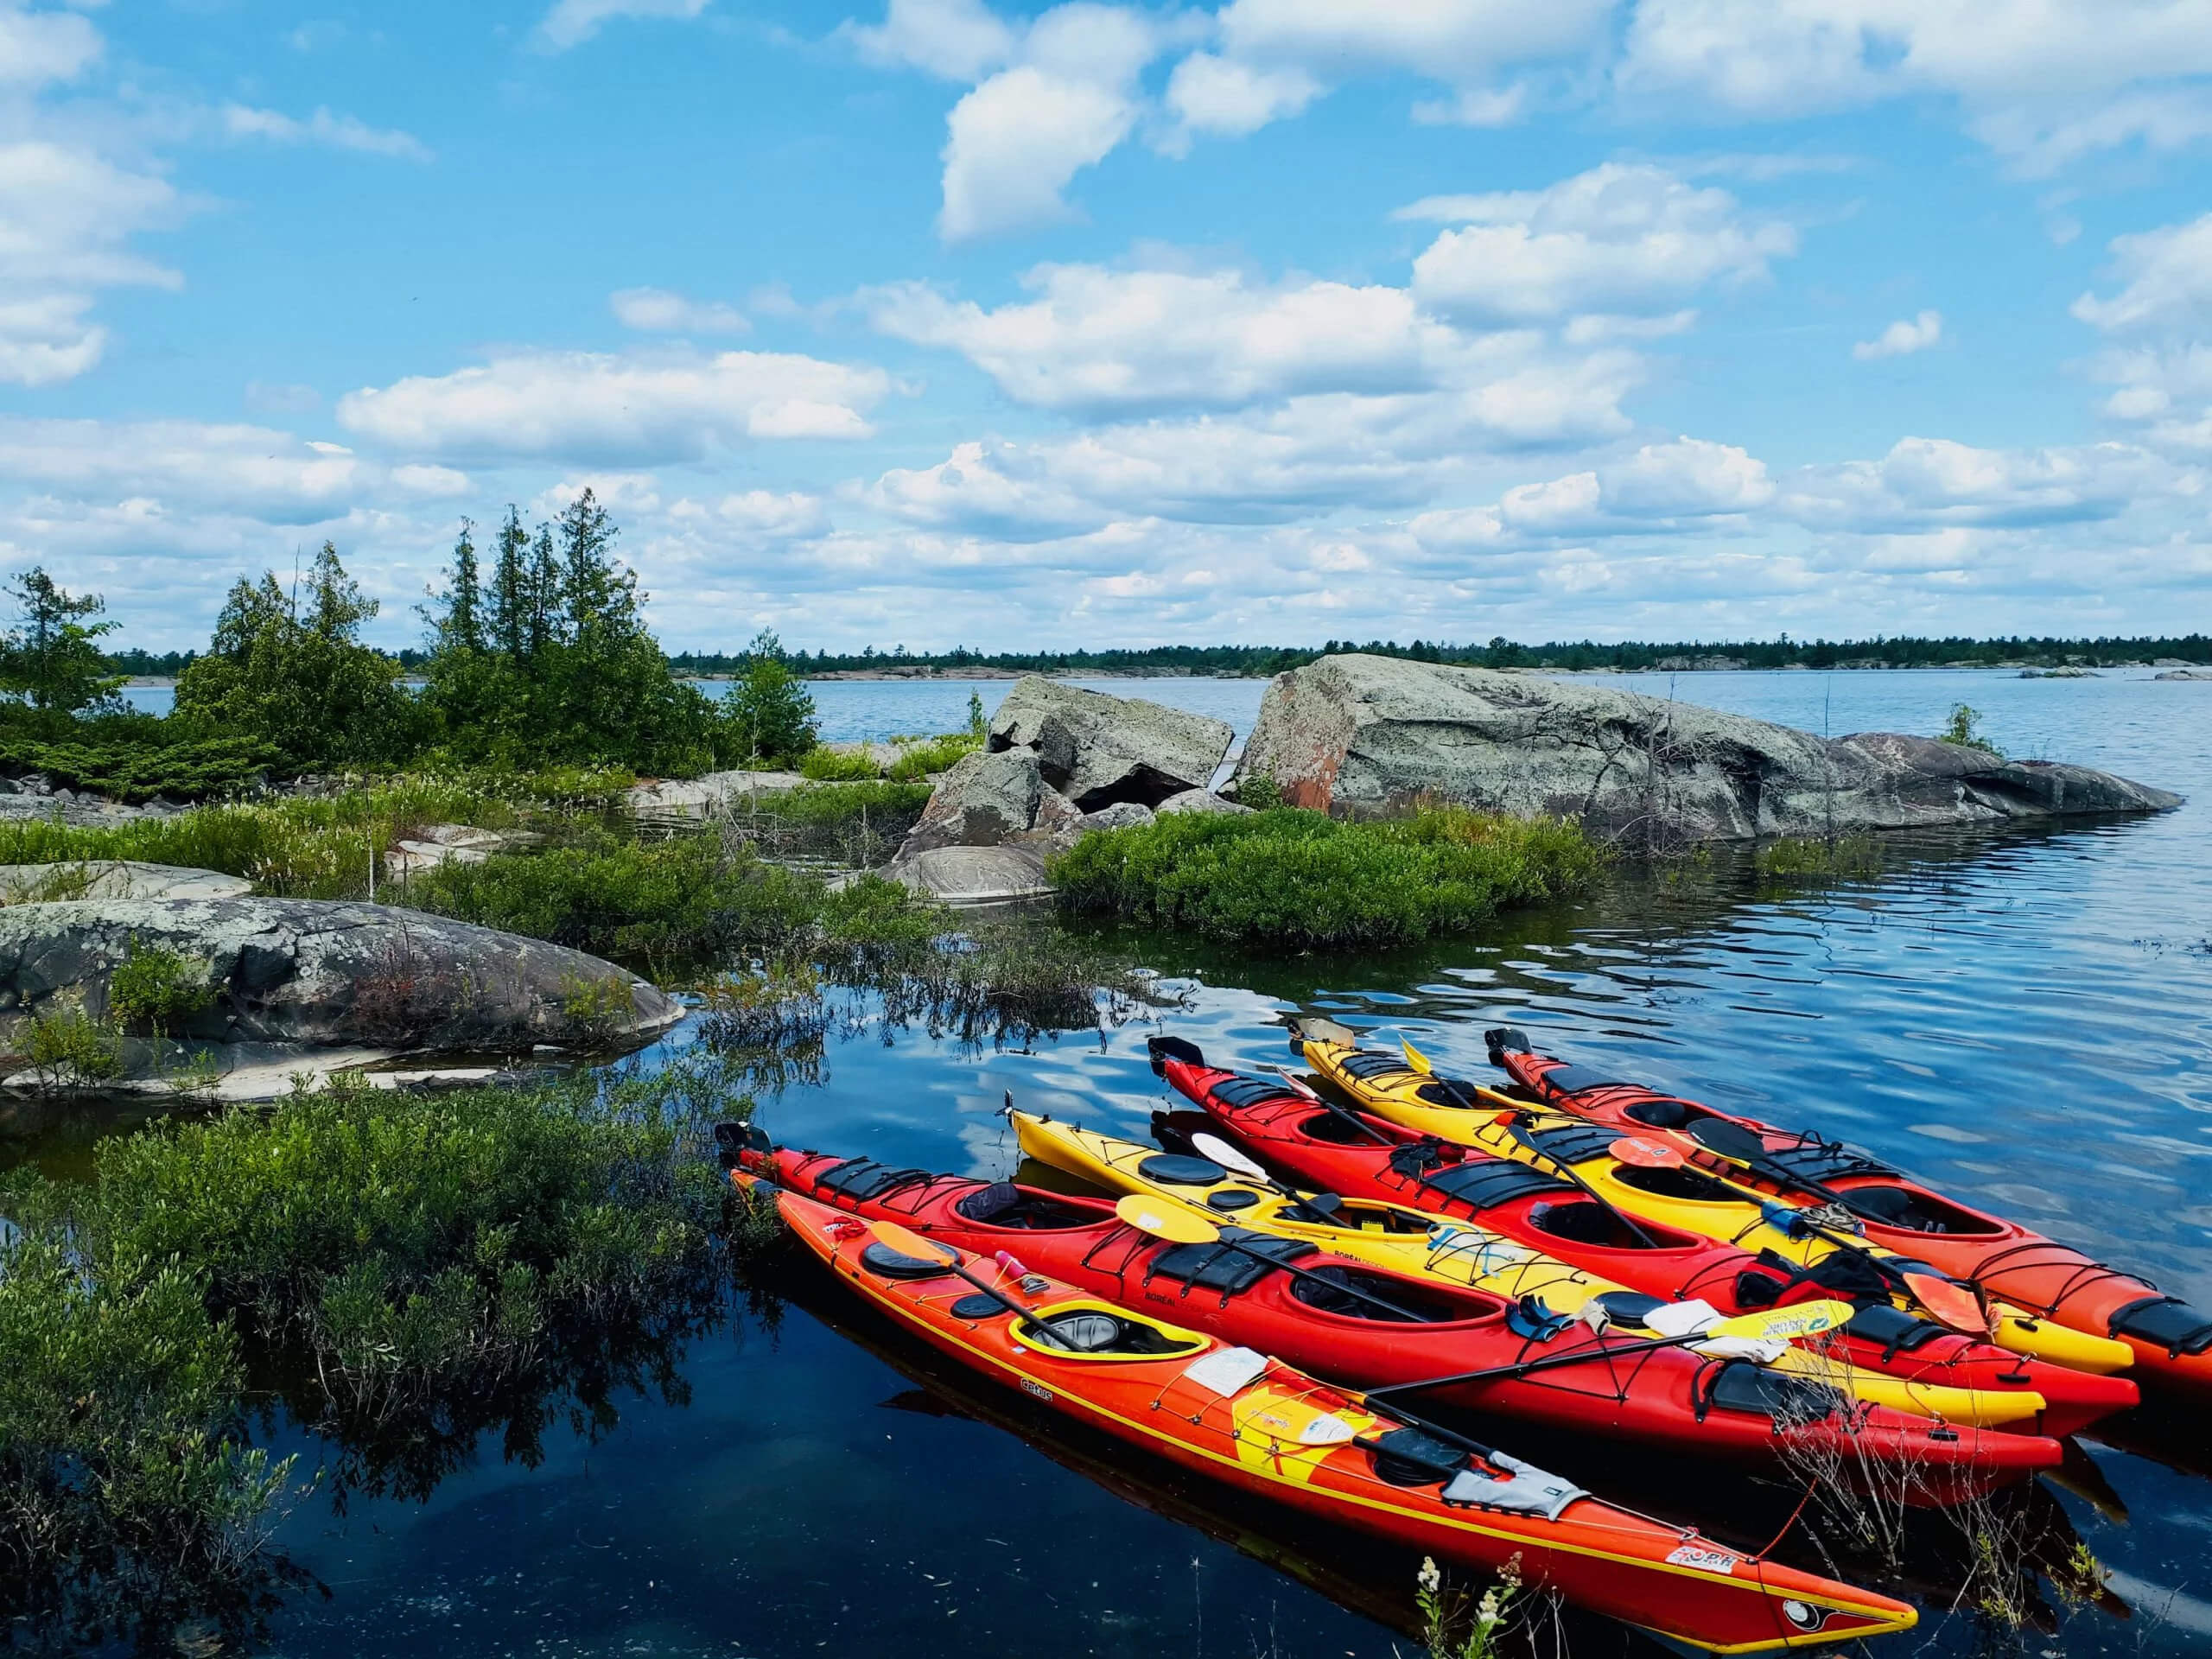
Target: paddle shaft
{"points": [[1328, 1105], [1349, 1290], [1588, 1191], [1026, 1315]]}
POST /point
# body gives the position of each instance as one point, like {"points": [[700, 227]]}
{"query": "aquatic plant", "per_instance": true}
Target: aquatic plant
{"points": [[1297, 877], [128, 1495], [1802, 857], [1443, 1613], [66, 1044]]}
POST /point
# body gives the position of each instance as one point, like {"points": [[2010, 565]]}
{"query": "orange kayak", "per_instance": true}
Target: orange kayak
{"points": [[1253, 1423]]}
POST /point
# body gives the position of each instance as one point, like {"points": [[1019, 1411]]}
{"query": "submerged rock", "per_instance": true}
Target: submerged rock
{"points": [[325, 973], [1370, 734], [1096, 750]]}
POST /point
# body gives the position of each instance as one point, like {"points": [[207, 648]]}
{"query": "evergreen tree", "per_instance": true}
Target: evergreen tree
{"points": [[53, 659], [509, 597], [770, 707], [456, 617], [304, 684]]}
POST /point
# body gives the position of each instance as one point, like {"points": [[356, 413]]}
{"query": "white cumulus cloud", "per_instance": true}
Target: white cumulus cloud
{"points": [[955, 40], [1621, 238], [1901, 338], [593, 405], [38, 47], [335, 131], [571, 22], [657, 311]]}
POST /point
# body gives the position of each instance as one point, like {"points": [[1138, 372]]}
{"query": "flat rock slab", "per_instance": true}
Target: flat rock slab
{"points": [[975, 876], [2185, 674], [692, 799], [330, 974], [114, 878], [1361, 734]]}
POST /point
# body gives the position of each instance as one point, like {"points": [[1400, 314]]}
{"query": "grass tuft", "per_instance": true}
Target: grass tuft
{"points": [[1297, 877]]}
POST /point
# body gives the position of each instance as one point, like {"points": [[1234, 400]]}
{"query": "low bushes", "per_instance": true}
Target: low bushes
{"points": [[1302, 878], [127, 768]]}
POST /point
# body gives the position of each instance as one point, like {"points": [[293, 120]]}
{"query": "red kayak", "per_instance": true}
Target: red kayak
{"points": [[2008, 1263], [1613, 1384], [1258, 1425], [1326, 1148]]}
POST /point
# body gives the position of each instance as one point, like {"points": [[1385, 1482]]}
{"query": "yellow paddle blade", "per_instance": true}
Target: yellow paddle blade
{"points": [[1786, 1323], [1416, 1059], [910, 1243], [1148, 1214]]}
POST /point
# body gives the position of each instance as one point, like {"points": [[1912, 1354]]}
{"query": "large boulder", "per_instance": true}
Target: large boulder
{"points": [[982, 800], [1360, 734], [1096, 750], [975, 876], [319, 972]]}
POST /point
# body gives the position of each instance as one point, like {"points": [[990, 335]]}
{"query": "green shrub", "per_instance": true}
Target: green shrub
{"points": [[1302, 878], [64, 1044], [1259, 792], [156, 991], [130, 769], [129, 1493], [415, 1243], [1965, 730], [938, 754], [828, 765]]}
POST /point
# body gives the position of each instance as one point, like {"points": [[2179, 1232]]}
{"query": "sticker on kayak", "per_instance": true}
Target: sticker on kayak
{"points": [[1702, 1559], [1225, 1370], [1037, 1389]]}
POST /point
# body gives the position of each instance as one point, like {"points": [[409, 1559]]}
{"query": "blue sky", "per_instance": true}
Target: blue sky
{"points": [[1111, 325]]}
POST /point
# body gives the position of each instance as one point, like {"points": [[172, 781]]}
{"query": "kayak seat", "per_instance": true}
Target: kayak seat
{"points": [[1575, 1143], [2166, 1321], [1173, 1169], [1002, 1204], [1209, 1267], [1323, 1290], [1675, 1183], [886, 1263], [1445, 1094], [1092, 1333], [1909, 1211], [1581, 1222], [1245, 1092], [1739, 1385], [1479, 1183], [1577, 1080], [1663, 1113], [1898, 1332], [1411, 1456], [1367, 1066], [864, 1179]]}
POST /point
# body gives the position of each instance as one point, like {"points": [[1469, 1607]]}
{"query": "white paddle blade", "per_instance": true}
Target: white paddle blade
{"points": [[1293, 1079], [1216, 1150], [1788, 1324]]}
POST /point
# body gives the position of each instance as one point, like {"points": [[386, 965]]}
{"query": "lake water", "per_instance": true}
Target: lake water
{"points": [[2025, 1018]]}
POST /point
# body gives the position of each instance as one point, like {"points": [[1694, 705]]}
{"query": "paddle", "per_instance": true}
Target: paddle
{"points": [[1783, 1324], [1566, 1171], [1214, 1149], [892, 1235], [1947, 1300], [1178, 1226], [1349, 1116]]}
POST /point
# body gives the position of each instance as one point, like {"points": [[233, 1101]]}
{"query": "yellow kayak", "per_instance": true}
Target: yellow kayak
{"points": [[1684, 1199], [1455, 1252]]}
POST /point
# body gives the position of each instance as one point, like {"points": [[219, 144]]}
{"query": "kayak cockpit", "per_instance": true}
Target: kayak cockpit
{"points": [[1027, 1209]]}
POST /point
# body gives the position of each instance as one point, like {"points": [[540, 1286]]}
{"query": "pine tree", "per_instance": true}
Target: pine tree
{"points": [[459, 622], [510, 598], [53, 659]]}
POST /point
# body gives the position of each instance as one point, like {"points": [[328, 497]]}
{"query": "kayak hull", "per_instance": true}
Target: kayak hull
{"points": [[1931, 1461], [2010, 1263], [1319, 1147], [1268, 1429]]}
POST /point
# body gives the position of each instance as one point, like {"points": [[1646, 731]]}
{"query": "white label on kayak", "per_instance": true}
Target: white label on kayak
{"points": [[1327, 1429], [1037, 1389], [1226, 1371], [1704, 1559]]}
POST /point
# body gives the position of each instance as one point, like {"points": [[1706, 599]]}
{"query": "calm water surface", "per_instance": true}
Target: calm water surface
{"points": [[2025, 1019]]}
